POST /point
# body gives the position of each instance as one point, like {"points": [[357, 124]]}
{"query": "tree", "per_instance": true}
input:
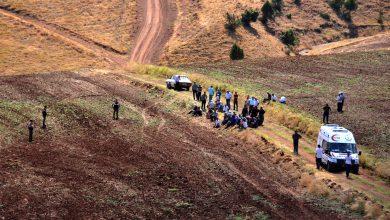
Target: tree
{"points": [[232, 22], [289, 38], [250, 15], [267, 11], [351, 5], [236, 53], [297, 2], [336, 5], [277, 5]]}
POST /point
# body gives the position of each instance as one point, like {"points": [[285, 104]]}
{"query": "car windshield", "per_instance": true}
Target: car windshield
{"points": [[183, 77], [343, 147]]}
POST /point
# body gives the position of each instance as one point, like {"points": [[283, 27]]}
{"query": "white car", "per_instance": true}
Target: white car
{"points": [[184, 82], [335, 142]]}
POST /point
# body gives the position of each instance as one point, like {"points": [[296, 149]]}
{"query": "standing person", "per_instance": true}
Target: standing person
{"points": [[177, 82], [211, 93], [325, 116], [116, 107], [235, 101], [348, 164], [296, 138], [194, 90], [340, 102], [30, 127], [44, 115], [261, 116], [199, 92], [203, 99], [244, 112], [228, 97], [318, 156], [269, 96], [219, 93]]}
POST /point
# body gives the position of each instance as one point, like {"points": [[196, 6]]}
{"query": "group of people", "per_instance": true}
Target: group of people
{"points": [[31, 124], [252, 114], [340, 104]]}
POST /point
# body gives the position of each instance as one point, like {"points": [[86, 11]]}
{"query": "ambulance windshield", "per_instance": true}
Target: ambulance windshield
{"points": [[343, 147]]}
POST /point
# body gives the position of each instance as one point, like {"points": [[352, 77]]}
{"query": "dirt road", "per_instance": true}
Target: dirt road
{"points": [[156, 28]]}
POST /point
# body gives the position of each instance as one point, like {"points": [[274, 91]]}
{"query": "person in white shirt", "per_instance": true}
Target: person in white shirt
{"points": [[217, 123], [283, 100], [274, 98], [228, 97], [318, 156], [348, 164], [226, 108]]}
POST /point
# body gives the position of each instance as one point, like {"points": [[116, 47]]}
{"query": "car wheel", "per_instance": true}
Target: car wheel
{"points": [[329, 167]]}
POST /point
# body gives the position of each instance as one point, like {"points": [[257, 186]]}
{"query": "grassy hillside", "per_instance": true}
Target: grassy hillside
{"points": [[110, 22], [310, 82], [24, 49], [200, 35]]}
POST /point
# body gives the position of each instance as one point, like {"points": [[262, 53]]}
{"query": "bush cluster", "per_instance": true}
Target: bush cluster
{"points": [[289, 38], [232, 22], [250, 15]]}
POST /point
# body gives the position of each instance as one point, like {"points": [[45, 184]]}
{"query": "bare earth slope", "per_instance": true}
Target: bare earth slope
{"points": [[149, 164]]}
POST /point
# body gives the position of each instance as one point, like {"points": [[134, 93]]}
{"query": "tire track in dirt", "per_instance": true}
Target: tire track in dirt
{"points": [[155, 31], [67, 36]]}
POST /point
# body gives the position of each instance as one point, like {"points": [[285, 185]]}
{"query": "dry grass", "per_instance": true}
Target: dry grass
{"points": [[372, 210], [383, 170], [25, 50], [109, 22], [313, 185], [200, 35]]}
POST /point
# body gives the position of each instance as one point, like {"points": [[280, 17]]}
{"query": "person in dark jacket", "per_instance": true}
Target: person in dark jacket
{"points": [[44, 115], [30, 127], [194, 90], [244, 112], [261, 117], [325, 116], [116, 107], [254, 112], [235, 101], [203, 99], [199, 92], [296, 138]]}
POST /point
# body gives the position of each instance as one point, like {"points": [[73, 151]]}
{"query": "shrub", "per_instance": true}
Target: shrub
{"points": [[277, 5], [249, 16], [289, 16], [351, 5], [232, 22], [236, 53], [297, 2], [380, 20], [267, 11], [289, 38], [336, 5], [325, 16]]}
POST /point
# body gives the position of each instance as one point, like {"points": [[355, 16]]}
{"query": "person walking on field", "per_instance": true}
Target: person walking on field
{"points": [[228, 97], [194, 90], [340, 102], [44, 115], [30, 127], [318, 156], [116, 107], [203, 99], [235, 101], [211, 93], [325, 116], [348, 164], [296, 138]]}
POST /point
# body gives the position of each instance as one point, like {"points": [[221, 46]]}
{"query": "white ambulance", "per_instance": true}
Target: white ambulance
{"points": [[335, 142]]}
